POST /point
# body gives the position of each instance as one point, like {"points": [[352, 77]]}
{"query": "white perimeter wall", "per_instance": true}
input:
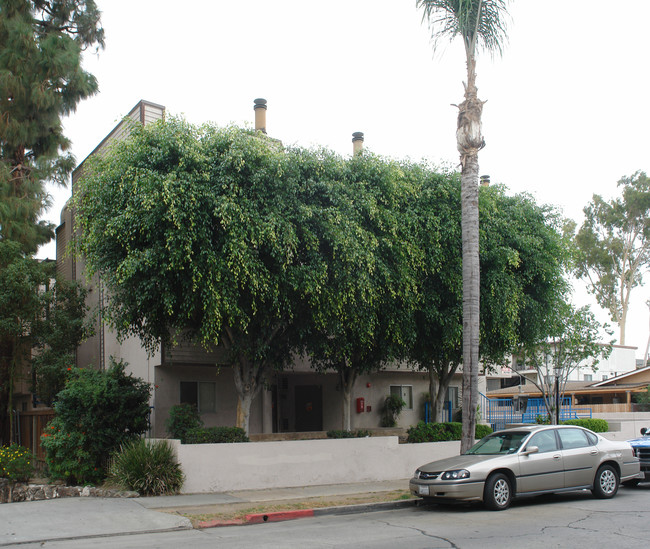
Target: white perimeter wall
{"points": [[259, 465]]}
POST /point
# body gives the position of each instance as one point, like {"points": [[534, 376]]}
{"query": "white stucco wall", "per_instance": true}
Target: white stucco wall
{"points": [[259, 465]]}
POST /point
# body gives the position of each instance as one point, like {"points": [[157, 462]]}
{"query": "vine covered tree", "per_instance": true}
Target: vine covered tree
{"points": [[479, 23], [613, 246], [41, 80]]}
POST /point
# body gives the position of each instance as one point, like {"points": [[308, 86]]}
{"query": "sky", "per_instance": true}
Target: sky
{"points": [[567, 112]]}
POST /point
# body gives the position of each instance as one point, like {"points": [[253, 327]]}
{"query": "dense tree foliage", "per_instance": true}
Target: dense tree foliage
{"points": [[480, 24], [613, 246], [362, 222], [41, 80], [196, 231], [523, 259], [230, 239]]}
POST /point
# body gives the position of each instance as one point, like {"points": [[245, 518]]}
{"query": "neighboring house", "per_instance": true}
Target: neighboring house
{"points": [[295, 400], [621, 360], [612, 395]]}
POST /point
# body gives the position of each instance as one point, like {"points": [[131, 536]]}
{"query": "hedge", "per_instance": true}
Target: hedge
{"points": [[214, 435], [593, 424], [361, 433], [439, 432]]}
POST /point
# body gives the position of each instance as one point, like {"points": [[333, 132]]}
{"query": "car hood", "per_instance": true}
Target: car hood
{"points": [[641, 441], [458, 462]]}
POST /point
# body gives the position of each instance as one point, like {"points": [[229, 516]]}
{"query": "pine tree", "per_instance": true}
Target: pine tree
{"points": [[41, 81]]}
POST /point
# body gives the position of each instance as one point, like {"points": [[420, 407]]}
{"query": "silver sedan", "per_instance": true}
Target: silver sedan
{"points": [[530, 460]]}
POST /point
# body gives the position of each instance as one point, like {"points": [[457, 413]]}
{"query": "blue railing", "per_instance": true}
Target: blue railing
{"points": [[446, 413], [499, 412]]}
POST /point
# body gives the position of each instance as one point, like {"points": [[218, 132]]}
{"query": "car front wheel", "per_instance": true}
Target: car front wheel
{"points": [[497, 494], [606, 482]]}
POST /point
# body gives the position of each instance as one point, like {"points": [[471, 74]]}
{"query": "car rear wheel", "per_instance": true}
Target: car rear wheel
{"points": [[606, 482], [497, 494]]}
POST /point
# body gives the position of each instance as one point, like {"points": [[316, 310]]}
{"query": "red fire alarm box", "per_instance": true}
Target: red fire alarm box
{"points": [[361, 404]]}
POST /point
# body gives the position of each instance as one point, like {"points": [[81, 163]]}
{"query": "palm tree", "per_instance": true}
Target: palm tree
{"points": [[476, 22]]}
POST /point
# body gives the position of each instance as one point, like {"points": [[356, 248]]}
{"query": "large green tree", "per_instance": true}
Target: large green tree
{"points": [[479, 23], [523, 260], [41, 80], [195, 231], [613, 246], [361, 318]]}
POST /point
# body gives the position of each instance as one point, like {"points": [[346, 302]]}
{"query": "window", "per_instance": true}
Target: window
{"points": [[573, 438], [202, 394], [405, 392], [545, 441], [604, 377], [588, 377]]}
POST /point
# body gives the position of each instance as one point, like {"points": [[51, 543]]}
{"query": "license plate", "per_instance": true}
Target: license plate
{"points": [[423, 490]]}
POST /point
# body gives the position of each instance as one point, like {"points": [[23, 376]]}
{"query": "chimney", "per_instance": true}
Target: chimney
{"points": [[357, 142], [485, 181], [260, 114]]}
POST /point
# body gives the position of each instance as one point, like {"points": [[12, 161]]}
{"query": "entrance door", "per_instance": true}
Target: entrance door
{"points": [[309, 407]]}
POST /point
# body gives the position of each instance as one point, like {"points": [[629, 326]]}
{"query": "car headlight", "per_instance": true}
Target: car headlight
{"points": [[456, 474]]}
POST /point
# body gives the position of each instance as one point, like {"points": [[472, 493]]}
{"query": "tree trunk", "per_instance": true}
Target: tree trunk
{"points": [[470, 141], [439, 380], [348, 376], [248, 382]]}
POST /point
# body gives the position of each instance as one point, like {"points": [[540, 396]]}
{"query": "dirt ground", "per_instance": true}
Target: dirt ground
{"points": [[235, 511]]}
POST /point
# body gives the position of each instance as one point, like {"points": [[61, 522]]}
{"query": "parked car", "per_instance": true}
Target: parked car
{"points": [[530, 460], [641, 448]]}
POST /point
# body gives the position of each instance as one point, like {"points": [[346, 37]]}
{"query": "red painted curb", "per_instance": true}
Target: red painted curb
{"points": [[278, 516], [217, 523]]}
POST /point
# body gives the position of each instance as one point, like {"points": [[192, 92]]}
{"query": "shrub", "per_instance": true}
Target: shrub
{"points": [[360, 433], [96, 412], [15, 463], [148, 467], [183, 418], [482, 430], [438, 432], [215, 435], [393, 406], [594, 424]]}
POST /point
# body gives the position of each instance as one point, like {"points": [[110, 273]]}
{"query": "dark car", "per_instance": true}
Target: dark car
{"points": [[641, 448]]}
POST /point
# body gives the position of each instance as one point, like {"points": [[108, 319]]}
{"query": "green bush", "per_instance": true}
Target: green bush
{"points": [[438, 432], [15, 463], [215, 435], [360, 433], [482, 430], [96, 413], [594, 424], [148, 467], [183, 418], [393, 406]]}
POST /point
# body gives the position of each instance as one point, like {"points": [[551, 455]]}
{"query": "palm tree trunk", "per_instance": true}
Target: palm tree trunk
{"points": [[470, 141]]}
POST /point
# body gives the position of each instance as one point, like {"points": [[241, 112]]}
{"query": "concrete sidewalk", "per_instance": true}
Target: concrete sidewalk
{"points": [[75, 518]]}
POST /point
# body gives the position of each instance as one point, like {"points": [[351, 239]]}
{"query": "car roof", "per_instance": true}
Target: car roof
{"points": [[531, 428]]}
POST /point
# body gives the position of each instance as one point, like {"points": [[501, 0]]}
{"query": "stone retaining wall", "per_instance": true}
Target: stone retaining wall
{"points": [[22, 491]]}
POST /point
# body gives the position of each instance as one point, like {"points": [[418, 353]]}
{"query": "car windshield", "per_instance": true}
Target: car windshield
{"points": [[499, 443]]}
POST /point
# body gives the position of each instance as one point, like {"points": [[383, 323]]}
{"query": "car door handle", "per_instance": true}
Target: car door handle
{"points": [[556, 456], [593, 452]]}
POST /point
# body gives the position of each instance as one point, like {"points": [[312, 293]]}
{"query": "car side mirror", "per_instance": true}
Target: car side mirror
{"points": [[530, 450], [643, 430]]}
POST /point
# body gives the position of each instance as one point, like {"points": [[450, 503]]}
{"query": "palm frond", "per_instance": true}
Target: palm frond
{"points": [[478, 22]]}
